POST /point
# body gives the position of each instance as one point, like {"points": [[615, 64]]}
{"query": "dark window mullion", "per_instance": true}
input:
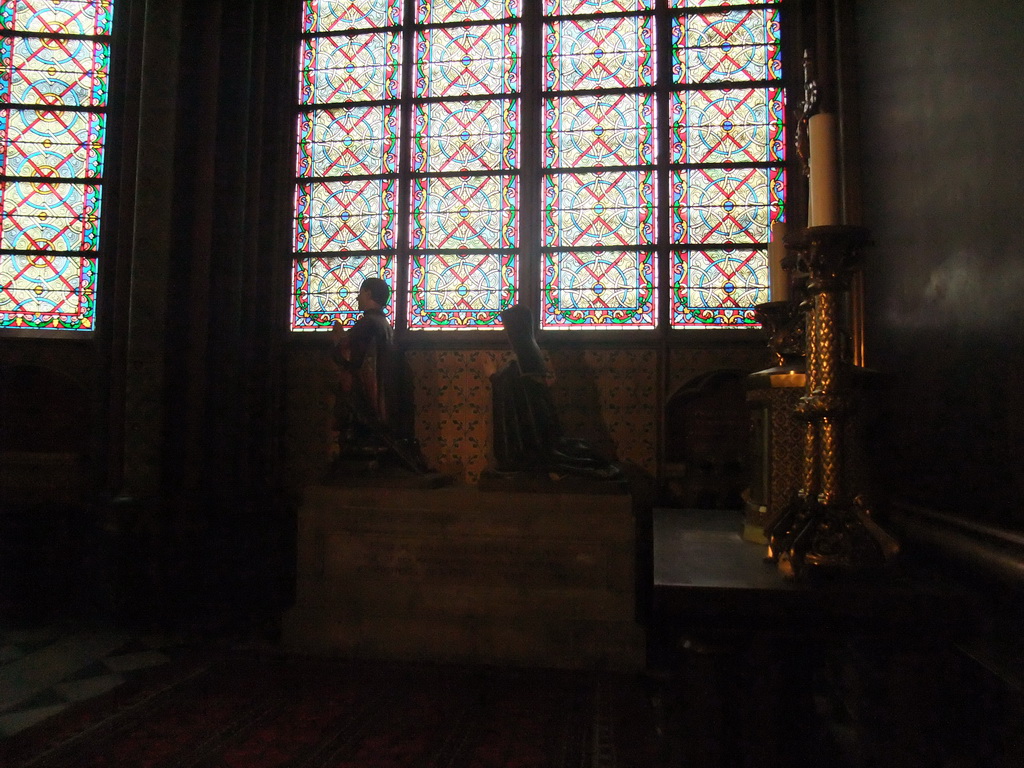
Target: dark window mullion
{"points": [[98, 110], [403, 269], [552, 94], [8, 32], [596, 16], [663, 46], [95, 181], [530, 138]]}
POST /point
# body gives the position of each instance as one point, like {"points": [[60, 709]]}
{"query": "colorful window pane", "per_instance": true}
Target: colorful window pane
{"points": [[357, 140], [616, 52], [722, 205], [718, 288], [599, 130], [728, 147], [479, 135], [465, 212], [467, 61], [592, 209], [353, 68], [713, 3], [52, 143], [49, 216], [733, 125], [324, 288], [569, 7], [461, 291], [58, 17], [442, 11], [727, 47], [54, 71], [53, 81], [599, 288], [345, 215], [338, 15], [47, 291]]}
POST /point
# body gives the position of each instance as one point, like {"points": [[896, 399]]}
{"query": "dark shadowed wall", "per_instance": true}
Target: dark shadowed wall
{"points": [[941, 93]]}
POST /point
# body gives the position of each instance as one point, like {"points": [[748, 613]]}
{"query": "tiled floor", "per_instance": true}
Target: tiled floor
{"points": [[44, 670]]}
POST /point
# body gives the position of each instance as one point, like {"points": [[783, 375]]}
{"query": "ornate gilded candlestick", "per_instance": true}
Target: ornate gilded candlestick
{"points": [[783, 322], [825, 527]]}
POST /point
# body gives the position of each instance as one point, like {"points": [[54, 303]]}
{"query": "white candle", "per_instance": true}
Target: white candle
{"points": [[778, 276], [823, 207]]}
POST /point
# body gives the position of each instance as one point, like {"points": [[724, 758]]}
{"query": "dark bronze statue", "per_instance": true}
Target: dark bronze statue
{"points": [[528, 436], [373, 418]]}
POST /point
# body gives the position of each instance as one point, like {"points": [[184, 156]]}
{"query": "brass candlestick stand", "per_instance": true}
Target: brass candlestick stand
{"points": [[824, 527], [783, 322]]}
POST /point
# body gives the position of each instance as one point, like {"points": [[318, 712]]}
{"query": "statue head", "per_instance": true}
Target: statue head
{"points": [[375, 290]]}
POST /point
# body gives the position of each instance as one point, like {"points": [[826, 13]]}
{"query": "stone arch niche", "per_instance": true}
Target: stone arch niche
{"points": [[706, 446]]}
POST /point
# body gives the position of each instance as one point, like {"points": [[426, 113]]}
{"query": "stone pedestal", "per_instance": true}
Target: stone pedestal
{"points": [[457, 574]]}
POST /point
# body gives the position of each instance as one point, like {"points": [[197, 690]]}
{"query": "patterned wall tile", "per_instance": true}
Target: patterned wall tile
{"points": [[610, 397], [686, 364], [453, 407]]}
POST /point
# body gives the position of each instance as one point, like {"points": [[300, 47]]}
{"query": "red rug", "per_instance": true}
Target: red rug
{"points": [[270, 713]]}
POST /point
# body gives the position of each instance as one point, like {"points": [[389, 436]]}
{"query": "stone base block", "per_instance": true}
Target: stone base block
{"points": [[456, 574]]}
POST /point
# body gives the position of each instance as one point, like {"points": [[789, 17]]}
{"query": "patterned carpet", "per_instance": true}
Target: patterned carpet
{"points": [[244, 711]]}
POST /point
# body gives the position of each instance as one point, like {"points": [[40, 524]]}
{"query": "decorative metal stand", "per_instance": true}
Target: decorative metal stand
{"points": [[824, 527], [776, 433], [783, 321]]}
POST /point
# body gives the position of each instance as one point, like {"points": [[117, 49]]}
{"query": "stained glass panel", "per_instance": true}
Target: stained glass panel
{"points": [[324, 288], [52, 143], [459, 291], [351, 68], [614, 52], [52, 160], [727, 47], [345, 215], [50, 216], [441, 11], [718, 288], [599, 289], [723, 205], [58, 17], [338, 15], [467, 61], [54, 72], [465, 212], [567, 7], [466, 136], [357, 140], [597, 110], [599, 130], [714, 3], [590, 209], [47, 291], [734, 125]]}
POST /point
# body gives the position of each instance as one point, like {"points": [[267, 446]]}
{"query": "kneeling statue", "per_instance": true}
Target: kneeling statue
{"points": [[528, 436], [372, 416]]}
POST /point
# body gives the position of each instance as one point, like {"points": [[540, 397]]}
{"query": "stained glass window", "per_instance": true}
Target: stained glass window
{"points": [[599, 188], [435, 211], [54, 68], [630, 187], [727, 144]]}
